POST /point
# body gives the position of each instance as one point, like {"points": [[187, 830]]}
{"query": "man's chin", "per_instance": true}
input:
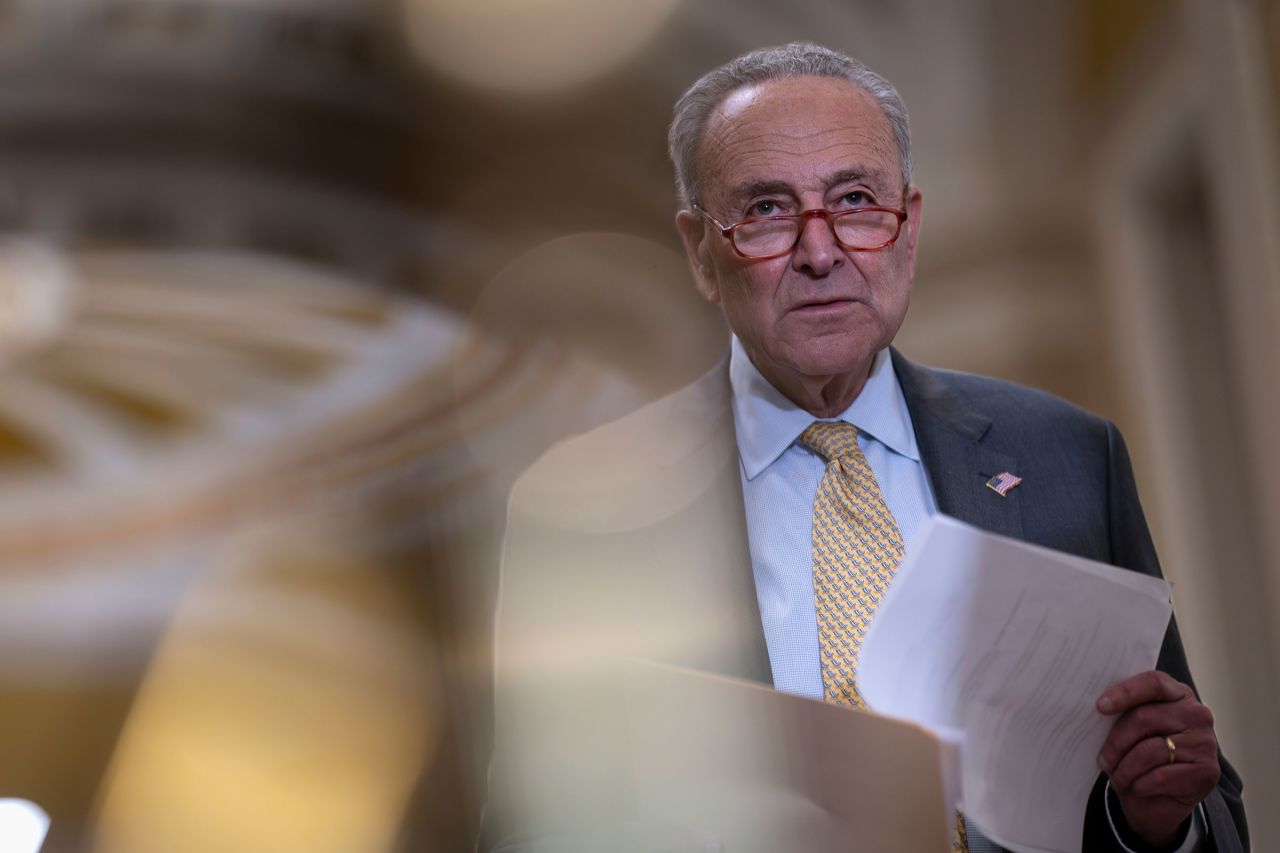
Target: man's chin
{"points": [[836, 361]]}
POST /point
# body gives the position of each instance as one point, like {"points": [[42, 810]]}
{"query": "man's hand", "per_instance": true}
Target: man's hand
{"points": [[1158, 796]]}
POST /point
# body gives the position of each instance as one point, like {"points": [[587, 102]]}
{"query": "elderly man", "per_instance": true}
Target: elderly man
{"points": [[801, 222]]}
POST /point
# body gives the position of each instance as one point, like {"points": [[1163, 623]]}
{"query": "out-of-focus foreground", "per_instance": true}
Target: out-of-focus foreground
{"points": [[291, 291]]}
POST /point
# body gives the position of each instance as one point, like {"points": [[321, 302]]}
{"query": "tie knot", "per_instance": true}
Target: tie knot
{"points": [[831, 439]]}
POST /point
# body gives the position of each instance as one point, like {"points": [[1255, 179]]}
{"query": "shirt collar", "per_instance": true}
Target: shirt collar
{"points": [[767, 423]]}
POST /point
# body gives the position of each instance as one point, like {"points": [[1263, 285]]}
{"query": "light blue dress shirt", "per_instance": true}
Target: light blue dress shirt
{"points": [[780, 478]]}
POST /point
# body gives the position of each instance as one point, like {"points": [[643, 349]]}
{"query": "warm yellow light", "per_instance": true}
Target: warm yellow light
{"points": [[530, 46], [289, 708]]}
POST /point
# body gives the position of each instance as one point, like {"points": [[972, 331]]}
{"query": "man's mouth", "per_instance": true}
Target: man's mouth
{"points": [[823, 304]]}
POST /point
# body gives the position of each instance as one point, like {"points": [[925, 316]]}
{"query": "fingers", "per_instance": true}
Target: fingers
{"points": [[1152, 706], [1145, 770], [1187, 720], [1157, 795], [1146, 687]]}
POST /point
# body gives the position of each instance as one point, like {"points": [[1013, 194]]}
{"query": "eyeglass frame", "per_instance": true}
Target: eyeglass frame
{"points": [[828, 216]]}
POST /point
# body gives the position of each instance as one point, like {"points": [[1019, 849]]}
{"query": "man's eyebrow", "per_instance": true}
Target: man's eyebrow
{"points": [[754, 188], [852, 176], [749, 189]]}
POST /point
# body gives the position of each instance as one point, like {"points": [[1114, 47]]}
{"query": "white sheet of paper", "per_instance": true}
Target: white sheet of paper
{"points": [[1012, 644]]}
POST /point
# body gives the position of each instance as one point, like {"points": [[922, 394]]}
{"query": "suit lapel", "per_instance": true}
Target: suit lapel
{"points": [[949, 433]]}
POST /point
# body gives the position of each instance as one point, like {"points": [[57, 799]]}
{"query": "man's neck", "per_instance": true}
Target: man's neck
{"points": [[820, 396]]}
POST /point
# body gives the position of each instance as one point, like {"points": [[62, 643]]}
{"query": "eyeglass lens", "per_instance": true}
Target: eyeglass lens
{"points": [[856, 229]]}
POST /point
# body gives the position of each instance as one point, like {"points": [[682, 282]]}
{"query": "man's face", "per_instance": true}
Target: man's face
{"points": [[784, 147]]}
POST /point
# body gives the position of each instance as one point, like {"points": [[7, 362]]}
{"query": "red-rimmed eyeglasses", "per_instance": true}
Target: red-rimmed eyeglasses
{"points": [[863, 229]]}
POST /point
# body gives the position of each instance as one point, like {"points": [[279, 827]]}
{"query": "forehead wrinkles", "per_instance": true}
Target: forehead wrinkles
{"points": [[807, 140], [745, 150]]}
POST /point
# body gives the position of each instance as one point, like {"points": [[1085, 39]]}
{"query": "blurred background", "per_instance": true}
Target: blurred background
{"points": [[291, 291]]}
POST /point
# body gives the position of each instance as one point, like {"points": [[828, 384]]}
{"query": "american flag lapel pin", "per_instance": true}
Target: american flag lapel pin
{"points": [[1004, 481]]}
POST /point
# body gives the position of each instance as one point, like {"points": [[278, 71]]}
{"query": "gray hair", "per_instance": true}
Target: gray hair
{"points": [[798, 59]]}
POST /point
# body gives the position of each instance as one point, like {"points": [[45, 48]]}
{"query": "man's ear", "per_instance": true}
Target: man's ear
{"points": [[911, 228], [693, 234]]}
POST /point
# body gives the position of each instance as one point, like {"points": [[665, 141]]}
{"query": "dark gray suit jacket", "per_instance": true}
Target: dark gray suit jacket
{"points": [[631, 541]]}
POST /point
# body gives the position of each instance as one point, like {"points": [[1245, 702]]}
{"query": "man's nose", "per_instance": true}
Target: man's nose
{"points": [[817, 253]]}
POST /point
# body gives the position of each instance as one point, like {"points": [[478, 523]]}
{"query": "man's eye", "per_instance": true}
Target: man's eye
{"points": [[857, 198], [762, 208]]}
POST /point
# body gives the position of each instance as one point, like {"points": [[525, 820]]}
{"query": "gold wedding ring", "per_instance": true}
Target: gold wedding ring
{"points": [[1173, 750]]}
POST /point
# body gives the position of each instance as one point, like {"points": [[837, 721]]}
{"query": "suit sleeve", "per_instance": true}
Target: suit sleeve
{"points": [[1132, 548]]}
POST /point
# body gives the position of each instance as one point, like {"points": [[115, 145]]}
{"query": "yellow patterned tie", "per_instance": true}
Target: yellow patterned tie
{"points": [[856, 549]]}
